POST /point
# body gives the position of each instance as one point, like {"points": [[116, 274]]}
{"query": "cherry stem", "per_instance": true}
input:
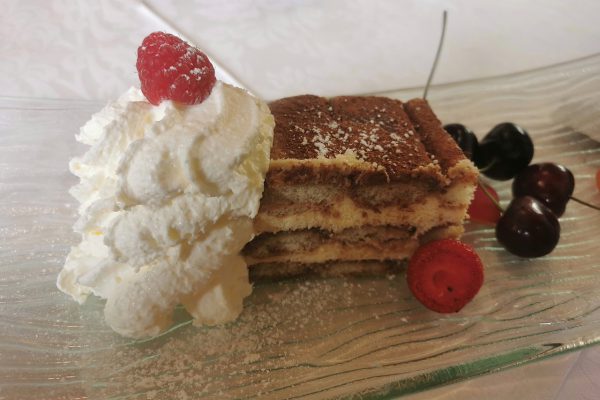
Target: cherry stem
{"points": [[437, 54], [585, 203], [489, 196]]}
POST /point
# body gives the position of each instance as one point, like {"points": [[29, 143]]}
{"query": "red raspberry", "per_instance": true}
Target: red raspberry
{"points": [[482, 209], [445, 275], [171, 69]]}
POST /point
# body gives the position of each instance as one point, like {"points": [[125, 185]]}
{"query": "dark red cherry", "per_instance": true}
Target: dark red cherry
{"points": [[550, 183], [528, 228], [505, 151], [465, 139], [485, 155]]}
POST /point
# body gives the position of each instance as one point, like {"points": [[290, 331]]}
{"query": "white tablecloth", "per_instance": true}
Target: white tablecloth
{"points": [[86, 50]]}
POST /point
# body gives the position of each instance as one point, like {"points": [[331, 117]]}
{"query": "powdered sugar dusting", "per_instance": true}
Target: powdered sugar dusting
{"points": [[288, 332], [377, 133]]}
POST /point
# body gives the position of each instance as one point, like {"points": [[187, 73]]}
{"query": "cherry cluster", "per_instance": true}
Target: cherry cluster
{"points": [[529, 226]]}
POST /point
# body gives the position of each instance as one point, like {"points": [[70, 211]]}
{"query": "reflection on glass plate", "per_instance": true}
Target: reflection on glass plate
{"points": [[302, 339]]}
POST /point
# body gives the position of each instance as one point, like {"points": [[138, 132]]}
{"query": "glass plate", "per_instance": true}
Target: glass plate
{"points": [[312, 339]]}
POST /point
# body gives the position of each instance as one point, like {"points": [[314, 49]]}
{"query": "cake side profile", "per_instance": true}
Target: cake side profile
{"points": [[355, 185]]}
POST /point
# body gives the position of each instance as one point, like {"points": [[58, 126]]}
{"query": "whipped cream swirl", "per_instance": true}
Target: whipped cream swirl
{"points": [[168, 194]]}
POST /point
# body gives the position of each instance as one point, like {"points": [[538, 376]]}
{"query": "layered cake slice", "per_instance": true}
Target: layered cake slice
{"points": [[355, 185]]}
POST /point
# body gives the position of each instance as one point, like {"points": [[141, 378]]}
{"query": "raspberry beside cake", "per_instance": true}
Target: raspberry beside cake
{"points": [[355, 185]]}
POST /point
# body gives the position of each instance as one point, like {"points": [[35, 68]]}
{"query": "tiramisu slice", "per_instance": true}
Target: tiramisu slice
{"points": [[355, 185]]}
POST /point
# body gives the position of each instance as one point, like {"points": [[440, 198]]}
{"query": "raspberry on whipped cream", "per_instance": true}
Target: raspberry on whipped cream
{"points": [[171, 69], [168, 193]]}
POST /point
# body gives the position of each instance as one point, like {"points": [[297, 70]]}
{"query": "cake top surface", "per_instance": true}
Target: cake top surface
{"points": [[396, 138]]}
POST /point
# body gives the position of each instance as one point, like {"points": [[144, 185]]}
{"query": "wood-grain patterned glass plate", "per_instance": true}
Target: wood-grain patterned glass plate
{"points": [[303, 339]]}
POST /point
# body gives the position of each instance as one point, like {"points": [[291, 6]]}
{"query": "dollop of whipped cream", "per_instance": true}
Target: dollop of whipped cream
{"points": [[167, 195]]}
